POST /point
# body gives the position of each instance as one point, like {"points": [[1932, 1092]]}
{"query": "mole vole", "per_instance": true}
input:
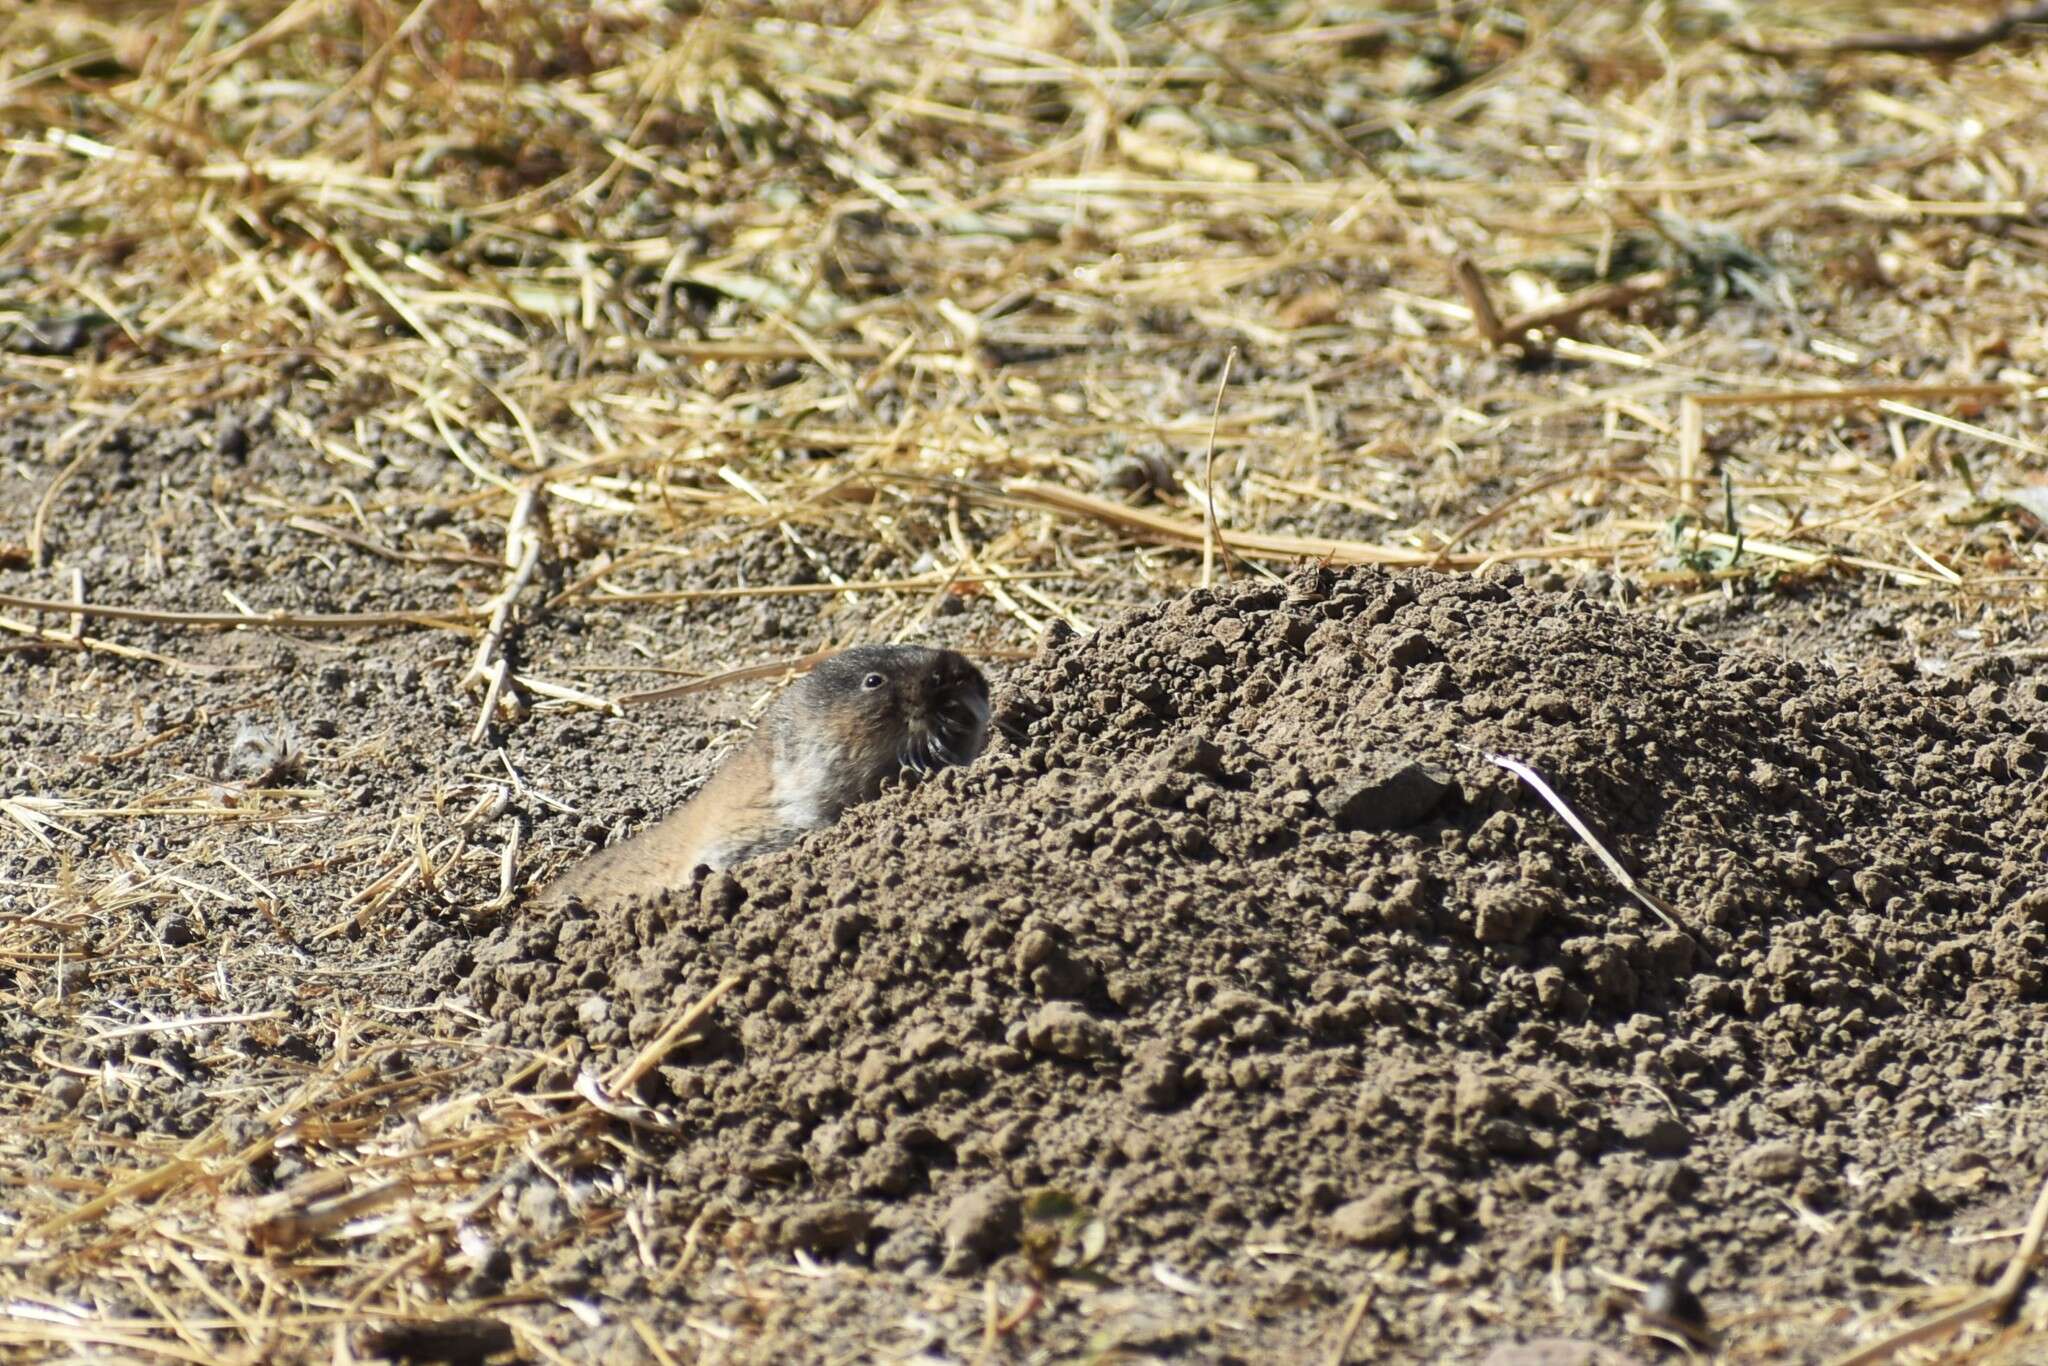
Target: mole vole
{"points": [[856, 720]]}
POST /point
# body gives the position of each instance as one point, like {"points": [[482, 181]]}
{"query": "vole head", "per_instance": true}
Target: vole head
{"points": [[866, 714]]}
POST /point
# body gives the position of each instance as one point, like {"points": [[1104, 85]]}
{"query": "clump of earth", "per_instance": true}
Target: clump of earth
{"points": [[1239, 955]]}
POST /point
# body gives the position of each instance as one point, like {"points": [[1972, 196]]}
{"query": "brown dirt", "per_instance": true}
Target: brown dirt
{"points": [[1237, 1007], [1187, 947], [1235, 941]]}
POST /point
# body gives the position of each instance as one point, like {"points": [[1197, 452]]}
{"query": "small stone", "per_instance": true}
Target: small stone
{"points": [[1507, 1138], [445, 964], [1165, 791], [1376, 1220], [908, 1248], [1477, 1095], [1556, 994], [1155, 1081], [842, 928], [1410, 647], [1034, 946], [1053, 971], [887, 1169], [1777, 1163], [981, 1225], [1064, 1030], [593, 1012], [1389, 793], [1877, 891], [828, 1226], [1653, 1131], [775, 1166], [1193, 755], [1509, 914], [1673, 1180], [721, 894]]}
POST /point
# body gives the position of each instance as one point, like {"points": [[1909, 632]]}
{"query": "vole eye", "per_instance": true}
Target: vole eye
{"points": [[872, 682]]}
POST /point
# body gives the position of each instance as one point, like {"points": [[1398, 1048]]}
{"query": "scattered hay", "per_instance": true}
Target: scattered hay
{"points": [[953, 282]]}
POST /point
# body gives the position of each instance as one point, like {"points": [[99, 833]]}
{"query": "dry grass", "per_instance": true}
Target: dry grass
{"points": [[654, 262], [961, 279]]}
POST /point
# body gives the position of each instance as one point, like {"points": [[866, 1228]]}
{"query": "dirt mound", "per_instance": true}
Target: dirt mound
{"points": [[1237, 935]]}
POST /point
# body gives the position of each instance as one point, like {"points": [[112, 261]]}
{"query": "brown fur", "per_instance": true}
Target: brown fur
{"points": [[829, 742]]}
